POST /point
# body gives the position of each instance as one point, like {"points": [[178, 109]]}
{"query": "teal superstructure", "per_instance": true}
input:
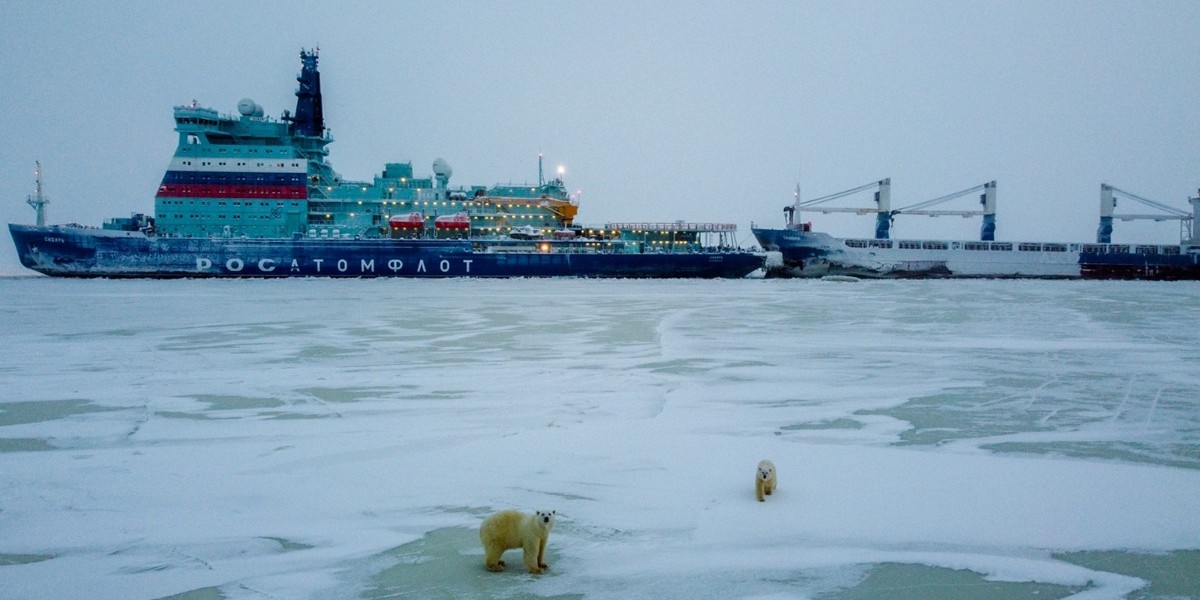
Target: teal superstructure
{"points": [[255, 176]]}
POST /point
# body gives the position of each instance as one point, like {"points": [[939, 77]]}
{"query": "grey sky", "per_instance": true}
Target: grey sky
{"points": [[657, 111]]}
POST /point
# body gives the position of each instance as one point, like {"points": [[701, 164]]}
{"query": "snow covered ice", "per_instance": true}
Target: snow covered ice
{"points": [[333, 439]]}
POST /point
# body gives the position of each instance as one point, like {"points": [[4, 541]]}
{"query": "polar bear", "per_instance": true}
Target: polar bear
{"points": [[764, 480], [509, 529]]}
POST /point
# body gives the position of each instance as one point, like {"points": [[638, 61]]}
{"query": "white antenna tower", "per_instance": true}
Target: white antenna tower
{"points": [[39, 201]]}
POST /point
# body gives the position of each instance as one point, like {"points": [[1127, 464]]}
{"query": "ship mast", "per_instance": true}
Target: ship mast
{"points": [[38, 201]]}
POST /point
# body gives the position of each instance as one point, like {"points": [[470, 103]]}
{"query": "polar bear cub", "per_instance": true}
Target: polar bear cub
{"points": [[764, 479], [510, 529]]}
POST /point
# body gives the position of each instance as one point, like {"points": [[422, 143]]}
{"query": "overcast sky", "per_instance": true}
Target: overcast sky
{"points": [[656, 110]]}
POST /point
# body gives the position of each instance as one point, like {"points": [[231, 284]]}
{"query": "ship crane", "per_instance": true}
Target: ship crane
{"points": [[1108, 203], [38, 201], [987, 199], [884, 212], [882, 207]]}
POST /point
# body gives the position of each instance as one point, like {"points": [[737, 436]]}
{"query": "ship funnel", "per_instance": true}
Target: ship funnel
{"points": [[309, 119]]}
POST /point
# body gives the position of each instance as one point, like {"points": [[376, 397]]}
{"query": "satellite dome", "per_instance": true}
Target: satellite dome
{"points": [[441, 168], [249, 108]]}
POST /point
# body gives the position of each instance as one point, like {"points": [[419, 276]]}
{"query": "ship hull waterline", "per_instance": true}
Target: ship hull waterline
{"points": [[808, 254], [80, 252]]}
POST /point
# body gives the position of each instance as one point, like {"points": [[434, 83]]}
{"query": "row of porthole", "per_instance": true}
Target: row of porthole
{"points": [[218, 217], [222, 203]]}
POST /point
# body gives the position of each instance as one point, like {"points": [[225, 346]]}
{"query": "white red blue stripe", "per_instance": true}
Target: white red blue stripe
{"points": [[234, 178]]}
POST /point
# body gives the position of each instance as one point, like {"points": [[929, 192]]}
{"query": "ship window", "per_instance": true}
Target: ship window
{"points": [[935, 246], [1029, 247], [1054, 247]]}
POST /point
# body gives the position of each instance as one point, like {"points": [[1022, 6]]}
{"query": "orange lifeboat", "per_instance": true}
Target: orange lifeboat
{"points": [[413, 220], [455, 222]]}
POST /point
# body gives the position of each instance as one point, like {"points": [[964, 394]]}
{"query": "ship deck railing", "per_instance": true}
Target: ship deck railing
{"points": [[1145, 249], [673, 226]]}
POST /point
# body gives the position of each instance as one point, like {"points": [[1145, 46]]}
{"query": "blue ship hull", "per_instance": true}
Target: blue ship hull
{"points": [[814, 254], [69, 251]]}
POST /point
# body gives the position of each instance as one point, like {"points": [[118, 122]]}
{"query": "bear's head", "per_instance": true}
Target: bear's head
{"points": [[765, 472], [544, 518]]}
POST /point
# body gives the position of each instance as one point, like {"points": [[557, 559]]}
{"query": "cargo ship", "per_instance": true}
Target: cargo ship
{"points": [[248, 195], [797, 250]]}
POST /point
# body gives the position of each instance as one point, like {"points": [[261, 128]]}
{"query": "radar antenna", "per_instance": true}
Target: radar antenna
{"points": [[38, 201]]}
